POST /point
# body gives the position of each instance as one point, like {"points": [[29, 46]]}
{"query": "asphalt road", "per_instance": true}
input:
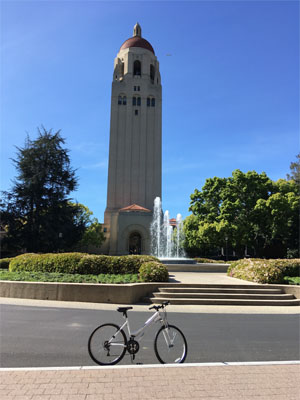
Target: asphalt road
{"points": [[50, 337]]}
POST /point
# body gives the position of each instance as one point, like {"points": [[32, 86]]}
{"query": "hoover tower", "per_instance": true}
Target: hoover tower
{"points": [[134, 171]]}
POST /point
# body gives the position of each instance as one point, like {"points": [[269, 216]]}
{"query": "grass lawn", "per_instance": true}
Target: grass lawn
{"points": [[72, 278], [292, 280]]}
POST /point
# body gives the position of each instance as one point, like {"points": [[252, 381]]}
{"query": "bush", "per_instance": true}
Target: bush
{"points": [[61, 262], [4, 263], [264, 271], [153, 271], [208, 260], [79, 263]]}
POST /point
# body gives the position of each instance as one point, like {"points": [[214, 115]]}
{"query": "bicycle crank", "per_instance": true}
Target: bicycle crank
{"points": [[132, 346]]}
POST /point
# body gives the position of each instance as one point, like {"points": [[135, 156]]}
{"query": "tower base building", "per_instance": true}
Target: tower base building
{"points": [[134, 171]]}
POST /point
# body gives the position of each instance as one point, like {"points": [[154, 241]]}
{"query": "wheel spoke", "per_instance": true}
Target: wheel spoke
{"points": [[170, 345], [107, 344]]}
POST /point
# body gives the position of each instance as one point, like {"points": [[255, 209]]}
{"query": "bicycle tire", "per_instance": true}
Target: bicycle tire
{"points": [[99, 349], [175, 352]]}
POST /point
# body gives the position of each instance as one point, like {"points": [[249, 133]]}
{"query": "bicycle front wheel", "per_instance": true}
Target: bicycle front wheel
{"points": [[107, 344], [170, 345]]}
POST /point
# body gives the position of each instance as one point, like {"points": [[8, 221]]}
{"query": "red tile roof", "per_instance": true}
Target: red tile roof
{"points": [[135, 207], [137, 41]]}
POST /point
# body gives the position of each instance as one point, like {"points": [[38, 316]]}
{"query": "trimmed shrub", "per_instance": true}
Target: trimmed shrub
{"points": [[61, 262], [4, 263], [264, 271], [79, 263], [153, 271]]}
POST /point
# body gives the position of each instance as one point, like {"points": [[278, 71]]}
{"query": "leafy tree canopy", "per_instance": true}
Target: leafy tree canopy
{"points": [[246, 209], [295, 171]]}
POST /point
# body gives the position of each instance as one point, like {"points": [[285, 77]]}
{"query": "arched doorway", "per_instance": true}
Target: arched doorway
{"points": [[135, 243]]}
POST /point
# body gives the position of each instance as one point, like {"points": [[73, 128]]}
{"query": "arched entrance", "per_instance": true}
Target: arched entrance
{"points": [[135, 243]]}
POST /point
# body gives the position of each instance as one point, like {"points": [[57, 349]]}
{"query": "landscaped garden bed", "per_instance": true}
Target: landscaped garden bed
{"points": [[83, 268], [278, 271]]}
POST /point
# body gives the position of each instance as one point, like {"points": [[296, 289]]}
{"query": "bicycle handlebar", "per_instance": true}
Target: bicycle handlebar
{"points": [[163, 305]]}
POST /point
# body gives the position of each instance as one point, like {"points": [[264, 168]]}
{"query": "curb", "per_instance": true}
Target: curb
{"points": [[216, 364]]}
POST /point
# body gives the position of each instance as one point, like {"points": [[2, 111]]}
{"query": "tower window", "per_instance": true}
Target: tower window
{"points": [[152, 73], [138, 101], [148, 102], [134, 101], [136, 112], [137, 68], [122, 100], [134, 88], [153, 102]]}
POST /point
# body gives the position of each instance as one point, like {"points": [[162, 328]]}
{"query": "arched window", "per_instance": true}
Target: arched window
{"points": [[137, 67], [120, 100], [135, 243], [134, 101], [138, 101], [124, 100], [148, 102], [153, 102], [152, 73]]}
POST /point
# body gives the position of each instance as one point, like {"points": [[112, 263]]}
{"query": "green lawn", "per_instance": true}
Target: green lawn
{"points": [[292, 280], [73, 278]]}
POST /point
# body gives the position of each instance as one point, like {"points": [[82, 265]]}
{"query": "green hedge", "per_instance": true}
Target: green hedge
{"points": [[153, 271], [78, 263], [4, 263], [264, 271]]}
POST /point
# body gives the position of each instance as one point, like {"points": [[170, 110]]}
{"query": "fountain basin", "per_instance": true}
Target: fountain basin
{"points": [[177, 261]]}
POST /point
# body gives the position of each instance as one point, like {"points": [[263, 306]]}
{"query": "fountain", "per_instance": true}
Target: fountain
{"points": [[166, 239]]}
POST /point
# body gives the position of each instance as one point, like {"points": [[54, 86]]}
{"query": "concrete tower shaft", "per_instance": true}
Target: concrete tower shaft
{"points": [[134, 175]]}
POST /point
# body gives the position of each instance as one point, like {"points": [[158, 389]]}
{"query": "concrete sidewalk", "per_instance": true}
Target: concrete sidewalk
{"points": [[186, 381], [206, 277]]}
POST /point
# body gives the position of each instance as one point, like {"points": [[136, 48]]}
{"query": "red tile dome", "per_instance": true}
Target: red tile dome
{"points": [[137, 41]]}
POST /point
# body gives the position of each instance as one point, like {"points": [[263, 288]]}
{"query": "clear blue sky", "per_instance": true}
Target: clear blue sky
{"points": [[230, 76]]}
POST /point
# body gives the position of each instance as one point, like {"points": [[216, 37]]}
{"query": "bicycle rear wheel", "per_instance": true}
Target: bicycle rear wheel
{"points": [[170, 345], [107, 344]]}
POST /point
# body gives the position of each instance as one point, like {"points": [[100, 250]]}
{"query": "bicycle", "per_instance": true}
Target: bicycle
{"points": [[108, 343]]}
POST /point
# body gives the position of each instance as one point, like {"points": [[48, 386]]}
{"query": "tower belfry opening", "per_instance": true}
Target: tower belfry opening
{"points": [[134, 171]]}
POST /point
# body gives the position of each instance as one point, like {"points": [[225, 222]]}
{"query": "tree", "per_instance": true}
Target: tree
{"points": [[36, 213], [248, 211], [93, 234], [295, 171]]}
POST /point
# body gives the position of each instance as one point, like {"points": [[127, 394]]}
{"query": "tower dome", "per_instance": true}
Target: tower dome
{"points": [[136, 40]]}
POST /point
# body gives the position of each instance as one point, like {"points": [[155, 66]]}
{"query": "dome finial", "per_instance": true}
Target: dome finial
{"points": [[137, 30]]}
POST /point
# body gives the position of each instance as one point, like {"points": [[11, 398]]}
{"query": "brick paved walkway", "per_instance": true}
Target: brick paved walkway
{"points": [[166, 382]]}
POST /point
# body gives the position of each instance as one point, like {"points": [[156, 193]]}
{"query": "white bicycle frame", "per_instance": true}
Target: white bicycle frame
{"points": [[137, 335]]}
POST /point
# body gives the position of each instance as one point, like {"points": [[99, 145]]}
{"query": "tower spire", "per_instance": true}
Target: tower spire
{"points": [[137, 30]]}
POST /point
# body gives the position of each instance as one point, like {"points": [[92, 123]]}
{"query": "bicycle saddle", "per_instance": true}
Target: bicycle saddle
{"points": [[124, 309]]}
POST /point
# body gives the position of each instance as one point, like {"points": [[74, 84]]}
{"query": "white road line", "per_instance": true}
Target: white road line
{"points": [[216, 364]]}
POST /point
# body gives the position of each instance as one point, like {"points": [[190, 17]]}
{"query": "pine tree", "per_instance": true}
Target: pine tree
{"points": [[36, 213]]}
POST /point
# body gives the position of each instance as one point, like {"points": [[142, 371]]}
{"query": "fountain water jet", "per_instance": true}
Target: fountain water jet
{"points": [[166, 242]]}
